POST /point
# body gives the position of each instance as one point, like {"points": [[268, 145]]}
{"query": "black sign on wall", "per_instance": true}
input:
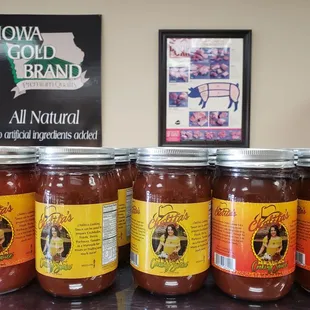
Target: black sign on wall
{"points": [[50, 80]]}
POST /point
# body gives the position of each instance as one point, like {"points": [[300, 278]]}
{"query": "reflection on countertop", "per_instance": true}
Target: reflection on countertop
{"points": [[124, 295]]}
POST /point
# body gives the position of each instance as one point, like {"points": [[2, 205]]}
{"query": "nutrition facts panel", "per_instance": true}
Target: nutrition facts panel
{"points": [[128, 210], [109, 233]]}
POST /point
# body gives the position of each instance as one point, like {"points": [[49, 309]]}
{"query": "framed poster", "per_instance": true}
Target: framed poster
{"points": [[204, 88], [50, 77]]}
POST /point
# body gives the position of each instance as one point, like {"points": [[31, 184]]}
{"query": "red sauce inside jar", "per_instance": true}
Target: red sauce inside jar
{"points": [[303, 224], [244, 183], [70, 181], [17, 179], [170, 186], [134, 169], [123, 175]]}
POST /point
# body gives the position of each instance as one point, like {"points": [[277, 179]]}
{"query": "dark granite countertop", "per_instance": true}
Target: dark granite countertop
{"points": [[123, 295]]}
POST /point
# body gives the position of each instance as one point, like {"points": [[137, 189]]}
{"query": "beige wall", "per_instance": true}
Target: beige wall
{"points": [[280, 107]]}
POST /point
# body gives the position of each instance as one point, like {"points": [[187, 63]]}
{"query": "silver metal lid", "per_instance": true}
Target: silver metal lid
{"points": [[212, 155], [255, 158], [303, 158], [173, 156], [76, 156], [133, 153], [11, 155], [37, 152], [121, 155], [296, 152]]}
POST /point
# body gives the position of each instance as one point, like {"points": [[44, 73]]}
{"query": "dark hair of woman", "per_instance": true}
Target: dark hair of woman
{"points": [[175, 232], [51, 232], [269, 233]]}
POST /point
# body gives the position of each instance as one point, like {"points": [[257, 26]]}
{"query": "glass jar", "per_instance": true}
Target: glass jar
{"points": [[76, 211], [133, 159], [303, 220], [124, 190], [170, 245], [254, 215], [17, 190]]}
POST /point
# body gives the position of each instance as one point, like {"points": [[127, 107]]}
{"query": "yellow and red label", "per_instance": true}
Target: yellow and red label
{"points": [[170, 239], [254, 239], [76, 241], [16, 229], [124, 216], [303, 234]]}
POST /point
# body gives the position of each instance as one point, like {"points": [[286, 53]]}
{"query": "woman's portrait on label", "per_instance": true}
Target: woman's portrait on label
{"points": [[5, 234], [270, 243], [169, 242], [55, 242]]}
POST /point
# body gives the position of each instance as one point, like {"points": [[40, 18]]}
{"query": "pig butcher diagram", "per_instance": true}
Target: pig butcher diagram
{"points": [[210, 90]]}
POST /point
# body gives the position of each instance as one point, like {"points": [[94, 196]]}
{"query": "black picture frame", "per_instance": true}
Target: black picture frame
{"points": [[246, 36]]}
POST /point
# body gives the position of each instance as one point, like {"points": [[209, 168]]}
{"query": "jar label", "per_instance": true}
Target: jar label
{"points": [[255, 240], [16, 229], [76, 241], [124, 216], [170, 239], [303, 234]]}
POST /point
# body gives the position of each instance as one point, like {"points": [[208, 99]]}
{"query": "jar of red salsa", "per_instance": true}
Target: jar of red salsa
{"points": [[254, 217], [17, 191], [76, 211], [124, 190], [170, 248], [303, 220]]}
